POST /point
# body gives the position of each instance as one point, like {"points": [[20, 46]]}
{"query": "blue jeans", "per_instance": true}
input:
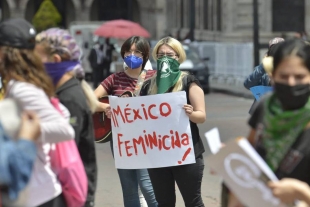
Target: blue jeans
{"points": [[130, 179]]}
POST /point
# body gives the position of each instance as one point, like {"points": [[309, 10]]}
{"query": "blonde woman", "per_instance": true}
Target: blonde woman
{"points": [[169, 54]]}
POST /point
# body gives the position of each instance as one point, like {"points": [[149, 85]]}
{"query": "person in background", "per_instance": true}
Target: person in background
{"points": [[60, 54], [280, 123], [135, 52], [24, 79], [107, 58], [95, 59], [259, 77], [100, 59], [17, 156], [188, 177]]}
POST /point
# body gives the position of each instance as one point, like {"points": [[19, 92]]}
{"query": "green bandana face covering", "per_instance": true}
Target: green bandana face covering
{"points": [[168, 73], [282, 128]]}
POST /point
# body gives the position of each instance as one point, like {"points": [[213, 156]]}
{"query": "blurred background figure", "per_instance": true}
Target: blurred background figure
{"points": [[100, 58], [259, 77]]}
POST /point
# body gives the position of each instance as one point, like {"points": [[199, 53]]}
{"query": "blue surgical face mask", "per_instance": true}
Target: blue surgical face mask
{"points": [[133, 61], [57, 70]]}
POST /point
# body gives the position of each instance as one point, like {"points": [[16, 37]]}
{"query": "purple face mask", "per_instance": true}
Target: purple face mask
{"points": [[57, 70]]}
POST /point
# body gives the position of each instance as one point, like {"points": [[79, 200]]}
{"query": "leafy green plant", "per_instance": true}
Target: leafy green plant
{"points": [[46, 17]]}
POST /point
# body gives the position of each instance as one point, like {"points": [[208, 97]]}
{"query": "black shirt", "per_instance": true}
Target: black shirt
{"points": [[296, 163], [187, 80], [71, 95]]}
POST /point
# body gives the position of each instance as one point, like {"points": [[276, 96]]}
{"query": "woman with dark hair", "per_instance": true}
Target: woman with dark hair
{"points": [[25, 80], [135, 52], [280, 124]]}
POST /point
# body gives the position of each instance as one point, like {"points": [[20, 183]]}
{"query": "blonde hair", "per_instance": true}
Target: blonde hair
{"points": [[91, 98], [174, 44], [178, 48]]}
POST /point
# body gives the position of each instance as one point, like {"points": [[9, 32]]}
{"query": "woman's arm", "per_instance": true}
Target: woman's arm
{"points": [[54, 127], [99, 92], [252, 137], [196, 111]]}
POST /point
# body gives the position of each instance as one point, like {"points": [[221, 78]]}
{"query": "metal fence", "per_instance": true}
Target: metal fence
{"points": [[229, 62]]}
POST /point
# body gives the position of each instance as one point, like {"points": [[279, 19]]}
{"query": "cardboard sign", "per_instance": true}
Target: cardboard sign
{"points": [[245, 173], [259, 91], [151, 131]]}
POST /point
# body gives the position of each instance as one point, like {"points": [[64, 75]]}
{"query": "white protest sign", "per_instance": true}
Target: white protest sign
{"points": [[245, 173], [151, 131]]}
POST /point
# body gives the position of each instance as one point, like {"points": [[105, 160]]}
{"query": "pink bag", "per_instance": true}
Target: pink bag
{"points": [[67, 164]]}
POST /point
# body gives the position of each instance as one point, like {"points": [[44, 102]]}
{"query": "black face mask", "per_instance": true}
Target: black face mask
{"points": [[292, 97]]}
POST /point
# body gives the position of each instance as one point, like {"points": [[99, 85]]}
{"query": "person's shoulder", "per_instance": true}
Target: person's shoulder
{"points": [[260, 105], [188, 79], [118, 74], [20, 86]]}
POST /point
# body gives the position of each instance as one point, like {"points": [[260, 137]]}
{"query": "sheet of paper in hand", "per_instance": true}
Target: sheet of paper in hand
{"points": [[214, 140], [151, 131], [245, 173], [259, 91]]}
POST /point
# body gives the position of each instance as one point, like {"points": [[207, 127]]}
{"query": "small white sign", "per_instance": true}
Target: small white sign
{"points": [[213, 139]]}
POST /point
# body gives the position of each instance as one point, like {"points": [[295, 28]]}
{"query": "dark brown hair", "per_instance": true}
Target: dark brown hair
{"points": [[24, 65], [141, 44]]}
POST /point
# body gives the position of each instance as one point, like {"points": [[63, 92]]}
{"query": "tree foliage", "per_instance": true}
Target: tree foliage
{"points": [[46, 17]]}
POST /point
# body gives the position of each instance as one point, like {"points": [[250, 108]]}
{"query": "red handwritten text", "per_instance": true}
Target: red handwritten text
{"points": [[129, 115], [150, 141]]}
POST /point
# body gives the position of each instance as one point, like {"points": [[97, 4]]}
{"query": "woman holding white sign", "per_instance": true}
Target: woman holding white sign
{"points": [[135, 52], [281, 121], [169, 54]]}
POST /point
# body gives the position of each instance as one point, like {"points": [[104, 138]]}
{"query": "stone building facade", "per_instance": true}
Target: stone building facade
{"points": [[232, 20], [149, 13], [215, 20]]}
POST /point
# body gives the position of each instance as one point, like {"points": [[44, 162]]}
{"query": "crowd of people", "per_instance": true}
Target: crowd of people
{"points": [[37, 68]]}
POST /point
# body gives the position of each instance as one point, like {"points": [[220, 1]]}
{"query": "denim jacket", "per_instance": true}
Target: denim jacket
{"points": [[16, 162], [258, 78]]}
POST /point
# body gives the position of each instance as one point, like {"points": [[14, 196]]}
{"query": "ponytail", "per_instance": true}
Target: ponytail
{"points": [[90, 96]]}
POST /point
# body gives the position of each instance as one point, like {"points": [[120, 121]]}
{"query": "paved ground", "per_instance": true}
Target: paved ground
{"points": [[228, 113]]}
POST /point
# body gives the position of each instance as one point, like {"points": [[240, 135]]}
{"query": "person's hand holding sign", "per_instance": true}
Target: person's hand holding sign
{"points": [[188, 109], [288, 190], [195, 111], [107, 111]]}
